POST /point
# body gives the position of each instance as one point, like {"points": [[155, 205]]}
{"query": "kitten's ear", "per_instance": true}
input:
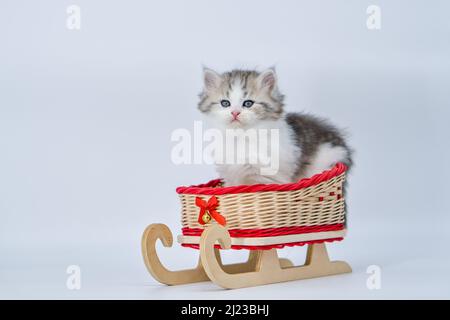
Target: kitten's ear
{"points": [[211, 79], [267, 79]]}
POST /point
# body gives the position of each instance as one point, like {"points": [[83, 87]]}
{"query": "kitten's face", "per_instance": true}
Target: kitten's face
{"points": [[240, 99]]}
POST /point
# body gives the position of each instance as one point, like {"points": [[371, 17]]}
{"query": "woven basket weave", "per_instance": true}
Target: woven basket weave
{"points": [[312, 206]]}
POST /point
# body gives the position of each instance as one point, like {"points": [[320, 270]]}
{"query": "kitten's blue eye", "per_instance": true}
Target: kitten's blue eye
{"points": [[248, 103], [225, 103]]}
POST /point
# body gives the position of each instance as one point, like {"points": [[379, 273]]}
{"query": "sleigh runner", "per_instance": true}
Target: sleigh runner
{"points": [[261, 219]]}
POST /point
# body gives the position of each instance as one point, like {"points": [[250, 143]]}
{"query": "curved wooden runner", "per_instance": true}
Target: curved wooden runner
{"points": [[262, 266]]}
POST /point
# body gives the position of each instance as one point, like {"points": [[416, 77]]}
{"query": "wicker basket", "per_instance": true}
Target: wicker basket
{"points": [[270, 216]]}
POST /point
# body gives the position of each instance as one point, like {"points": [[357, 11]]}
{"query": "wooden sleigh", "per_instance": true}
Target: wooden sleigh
{"points": [[261, 219]]}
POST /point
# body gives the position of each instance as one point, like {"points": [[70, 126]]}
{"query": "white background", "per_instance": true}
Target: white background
{"points": [[86, 118]]}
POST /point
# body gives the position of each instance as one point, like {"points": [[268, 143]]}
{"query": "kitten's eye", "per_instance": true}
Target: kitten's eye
{"points": [[248, 103], [225, 103]]}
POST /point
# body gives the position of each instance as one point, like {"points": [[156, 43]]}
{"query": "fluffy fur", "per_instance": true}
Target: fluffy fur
{"points": [[307, 144]]}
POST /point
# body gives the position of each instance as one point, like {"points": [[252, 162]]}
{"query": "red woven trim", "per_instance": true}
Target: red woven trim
{"points": [[268, 232], [211, 188], [266, 247]]}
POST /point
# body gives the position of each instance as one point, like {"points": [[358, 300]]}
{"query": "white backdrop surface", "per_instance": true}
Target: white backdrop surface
{"points": [[86, 117]]}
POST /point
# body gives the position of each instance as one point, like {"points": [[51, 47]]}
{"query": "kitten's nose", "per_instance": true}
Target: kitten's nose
{"points": [[235, 114]]}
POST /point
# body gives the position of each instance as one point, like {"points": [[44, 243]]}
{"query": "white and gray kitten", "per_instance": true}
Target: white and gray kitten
{"points": [[251, 100]]}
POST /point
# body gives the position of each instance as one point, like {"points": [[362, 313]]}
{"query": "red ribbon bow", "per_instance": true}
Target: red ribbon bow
{"points": [[209, 208]]}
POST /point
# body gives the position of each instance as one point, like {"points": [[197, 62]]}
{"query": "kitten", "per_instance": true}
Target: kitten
{"points": [[242, 99]]}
